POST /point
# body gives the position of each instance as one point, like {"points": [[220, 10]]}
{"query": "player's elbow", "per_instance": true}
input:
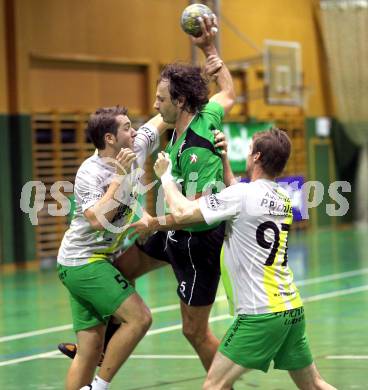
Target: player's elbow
{"points": [[231, 93], [187, 214], [93, 220], [179, 215], [231, 97], [95, 224], [229, 100]]}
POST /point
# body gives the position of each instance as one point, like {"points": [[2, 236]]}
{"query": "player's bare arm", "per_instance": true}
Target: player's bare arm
{"points": [[124, 161], [212, 66], [226, 96], [184, 211], [147, 225]]}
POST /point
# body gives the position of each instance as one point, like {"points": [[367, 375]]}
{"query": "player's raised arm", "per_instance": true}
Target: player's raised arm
{"points": [[226, 96]]}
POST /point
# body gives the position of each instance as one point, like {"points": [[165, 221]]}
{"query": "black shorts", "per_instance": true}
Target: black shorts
{"points": [[195, 259]]}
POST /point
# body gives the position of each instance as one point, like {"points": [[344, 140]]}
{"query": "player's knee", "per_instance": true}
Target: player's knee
{"points": [[146, 320], [188, 332], [194, 334], [143, 319]]}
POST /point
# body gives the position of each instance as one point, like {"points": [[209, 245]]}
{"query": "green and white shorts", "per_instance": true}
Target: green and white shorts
{"points": [[253, 341], [96, 291]]}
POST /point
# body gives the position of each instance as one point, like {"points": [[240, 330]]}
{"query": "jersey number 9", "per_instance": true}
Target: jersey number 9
{"points": [[261, 240]]}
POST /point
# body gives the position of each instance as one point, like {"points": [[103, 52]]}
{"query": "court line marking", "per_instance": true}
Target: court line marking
{"points": [[164, 357], [166, 329], [149, 333], [28, 358], [179, 326], [58, 355], [161, 309], [347, 357], [61, 328], [35, 333], [336, 293], [329, 278]]}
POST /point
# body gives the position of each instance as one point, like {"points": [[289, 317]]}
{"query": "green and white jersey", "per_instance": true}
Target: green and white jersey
{"points": [[256, 273], [82, 244], [196, 164]]}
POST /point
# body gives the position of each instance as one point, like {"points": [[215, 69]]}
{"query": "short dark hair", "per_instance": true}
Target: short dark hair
{"points": [[187, 81], [104, 121], [274, 146]]}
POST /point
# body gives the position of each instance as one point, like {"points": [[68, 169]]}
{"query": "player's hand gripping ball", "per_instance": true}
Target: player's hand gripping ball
{"points": [[189, 18]]}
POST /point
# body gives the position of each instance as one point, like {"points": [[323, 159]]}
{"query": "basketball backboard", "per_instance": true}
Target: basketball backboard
{"points": [[283, 75]]}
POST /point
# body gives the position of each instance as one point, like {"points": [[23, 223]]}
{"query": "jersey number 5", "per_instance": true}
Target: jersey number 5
{"points": [[261, 240], [124, 284]]}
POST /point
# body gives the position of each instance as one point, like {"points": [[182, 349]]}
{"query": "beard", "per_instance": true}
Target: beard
{"points": [[169, 120]]}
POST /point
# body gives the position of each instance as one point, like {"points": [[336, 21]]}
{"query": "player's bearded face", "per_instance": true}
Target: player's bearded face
{"points": [[163, 103]]}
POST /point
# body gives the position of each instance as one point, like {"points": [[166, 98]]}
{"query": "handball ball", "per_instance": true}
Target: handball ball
{"points": [[189, 18]]}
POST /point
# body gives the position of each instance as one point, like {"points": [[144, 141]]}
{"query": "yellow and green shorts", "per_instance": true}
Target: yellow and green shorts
{"points": [[96, 291], [253, 341]]}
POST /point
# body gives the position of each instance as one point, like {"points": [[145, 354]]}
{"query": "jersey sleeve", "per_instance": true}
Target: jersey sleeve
{"points": [[145, 142], [87, 190], [214, 112], [223, 206]]}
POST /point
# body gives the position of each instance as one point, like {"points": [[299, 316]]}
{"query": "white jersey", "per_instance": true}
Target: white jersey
{"points": [[255, 271], [81, 243]]}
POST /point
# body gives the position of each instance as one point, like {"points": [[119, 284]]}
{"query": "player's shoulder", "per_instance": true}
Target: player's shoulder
{"points": [[240, 186], [282, 191], [268, 188], [259, 187], [88, 164], [208, 118], [283, 194], [212, 107], [238, 190], [92, 167]]}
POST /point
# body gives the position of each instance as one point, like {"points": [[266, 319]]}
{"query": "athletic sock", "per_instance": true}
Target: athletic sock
{"points": [[110, 330], [100, 384]]}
